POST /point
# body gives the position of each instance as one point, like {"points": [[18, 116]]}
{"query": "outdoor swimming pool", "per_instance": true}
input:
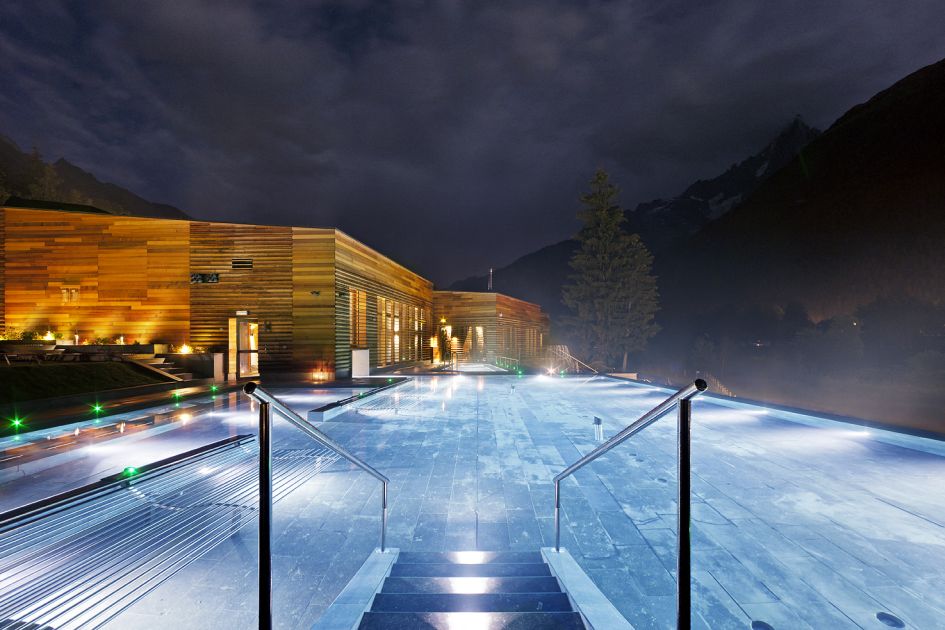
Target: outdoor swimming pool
{"points": [[797, 521]]}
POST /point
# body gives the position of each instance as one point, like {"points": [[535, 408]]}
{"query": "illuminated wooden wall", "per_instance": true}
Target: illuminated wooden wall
{"points": [[3, 248], [96, 275], [263, 289], [101, 275], [522, 327], [357, 266], [313, 299], [512, 328]]}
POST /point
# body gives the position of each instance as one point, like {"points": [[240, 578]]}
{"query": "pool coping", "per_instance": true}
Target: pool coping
{"points": [[890, 434], [338, 407]]}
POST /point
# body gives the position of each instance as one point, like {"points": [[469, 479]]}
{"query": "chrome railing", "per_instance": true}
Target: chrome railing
{"points": [[509, 363], [267, 402], [682, 399], [562, 352]]}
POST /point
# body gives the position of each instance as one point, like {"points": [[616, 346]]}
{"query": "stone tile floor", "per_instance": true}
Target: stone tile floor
{"points": [[795, 525]]}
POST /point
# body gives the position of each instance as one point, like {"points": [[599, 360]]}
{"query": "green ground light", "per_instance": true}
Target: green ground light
{"points": [[16, 422], [97, 408]]}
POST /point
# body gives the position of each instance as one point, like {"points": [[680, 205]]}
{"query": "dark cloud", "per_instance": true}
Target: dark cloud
{"points": [[450, 135]]}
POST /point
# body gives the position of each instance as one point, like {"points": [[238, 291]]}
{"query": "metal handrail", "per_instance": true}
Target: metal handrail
{"points": [[567, 356], [267, 401], [682, 398], [511, 363]]}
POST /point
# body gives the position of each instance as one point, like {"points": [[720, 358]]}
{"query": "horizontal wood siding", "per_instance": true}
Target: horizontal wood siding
{"points": [[464, 311], [313, 315], [523, 326], [122, 276], [3, 228], [513, 328], [265, 290], [131, 276], [358, 266]]}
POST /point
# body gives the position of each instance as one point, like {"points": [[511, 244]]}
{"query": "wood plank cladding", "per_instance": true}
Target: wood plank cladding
{"points": [[96, 275], [176, 281], [490, 325], [313, 299], [359, 267], [522, 327], [3, 249], [264, 290]]}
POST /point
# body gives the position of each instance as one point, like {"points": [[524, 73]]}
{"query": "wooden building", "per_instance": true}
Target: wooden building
{"points": [[486, 327], [271, 297]]}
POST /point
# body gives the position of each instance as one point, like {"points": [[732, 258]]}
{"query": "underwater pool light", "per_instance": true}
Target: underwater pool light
{"points": [[890, 620]]}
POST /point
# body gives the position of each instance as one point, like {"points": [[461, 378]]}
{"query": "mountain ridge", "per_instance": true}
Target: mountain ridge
{"points": [[539, 275], [858, 218], [26, 174]]}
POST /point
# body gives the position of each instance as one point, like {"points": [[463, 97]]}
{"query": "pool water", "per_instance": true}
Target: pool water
{"points": [[798, 522]]}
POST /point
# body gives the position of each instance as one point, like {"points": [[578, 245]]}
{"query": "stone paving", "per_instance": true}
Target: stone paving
{"points": [[795, 525]]}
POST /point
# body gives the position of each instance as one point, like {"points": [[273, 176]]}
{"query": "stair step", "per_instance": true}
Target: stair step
{"points": [[452, 621], [487, 602], [422, 569], [471, 585], [468, 557]]}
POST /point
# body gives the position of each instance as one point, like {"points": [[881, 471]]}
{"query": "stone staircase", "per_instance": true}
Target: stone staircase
{"points": [[471, 589], [164, 366]]}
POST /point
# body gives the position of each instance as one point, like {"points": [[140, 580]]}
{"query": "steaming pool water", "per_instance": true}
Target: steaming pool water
{"points": [[798, 521]]}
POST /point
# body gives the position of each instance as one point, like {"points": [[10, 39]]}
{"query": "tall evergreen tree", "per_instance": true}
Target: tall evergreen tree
{"points": [[612, 292], [4, 187], [47, 186]]}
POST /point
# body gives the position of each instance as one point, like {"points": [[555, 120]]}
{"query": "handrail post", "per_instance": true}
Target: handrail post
{"points": [[557, 515], [684, 538], [383, 515], [265, 517], [268, 402]]}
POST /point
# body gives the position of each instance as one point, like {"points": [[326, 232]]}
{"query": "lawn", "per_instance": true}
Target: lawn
{"points": [[32, 382]]}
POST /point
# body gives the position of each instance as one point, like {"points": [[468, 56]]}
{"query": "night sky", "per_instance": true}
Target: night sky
{"points": [[452, 136]]}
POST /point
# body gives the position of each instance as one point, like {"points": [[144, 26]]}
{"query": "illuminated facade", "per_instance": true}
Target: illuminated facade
{"points": [[487, 327], [270, 297]]}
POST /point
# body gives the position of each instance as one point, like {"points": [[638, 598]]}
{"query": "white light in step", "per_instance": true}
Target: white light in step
{"points": [[470, 557], [471, 621], [469, 585]]}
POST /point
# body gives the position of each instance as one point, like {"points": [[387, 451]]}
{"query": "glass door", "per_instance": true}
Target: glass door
{"points": [[244, 347]]}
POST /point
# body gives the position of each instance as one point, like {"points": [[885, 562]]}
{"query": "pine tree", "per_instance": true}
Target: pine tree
{"points": [[612, 292], [5, 191], [47, 186]]}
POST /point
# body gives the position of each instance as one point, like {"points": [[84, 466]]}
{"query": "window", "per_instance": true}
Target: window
{"points": [[357, 304], [400, 329], [70, 295]]}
